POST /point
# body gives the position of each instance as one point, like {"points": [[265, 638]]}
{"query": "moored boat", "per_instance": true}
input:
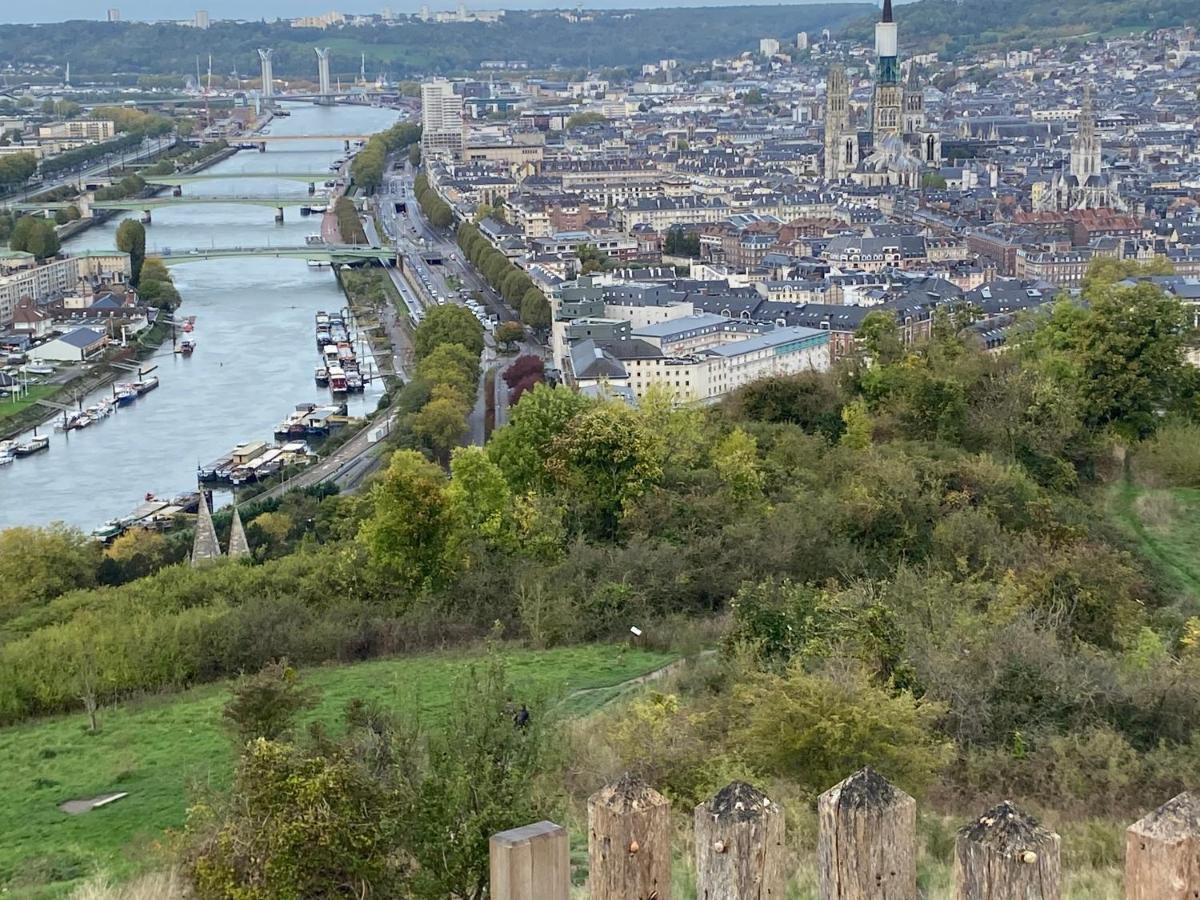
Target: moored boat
{"points": [[147, 385], [36, 444], [321, 376]]}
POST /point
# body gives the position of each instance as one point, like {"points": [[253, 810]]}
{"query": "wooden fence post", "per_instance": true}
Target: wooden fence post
{"points": [[867, 840], [1006, 855], [530, 863], [629, 842], [1162, 852], [739, 846]]}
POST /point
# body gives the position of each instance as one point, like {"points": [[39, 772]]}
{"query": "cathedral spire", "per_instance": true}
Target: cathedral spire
{"points": [[238, 545], [887, 11], [204, 545]]}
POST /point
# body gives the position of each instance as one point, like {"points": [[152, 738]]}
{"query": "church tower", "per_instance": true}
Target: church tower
{"points": [[1085, 146], [914, 103], [889, 95], [841, 144]]}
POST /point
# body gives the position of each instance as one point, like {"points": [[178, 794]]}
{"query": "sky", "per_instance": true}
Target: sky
{"points": [[59, 10]]}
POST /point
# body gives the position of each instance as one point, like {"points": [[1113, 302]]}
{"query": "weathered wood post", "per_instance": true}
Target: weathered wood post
{"points": [[1162, 852], [629, 842], [531, 863], [739, 846], [1006, 855], [867, 840]]}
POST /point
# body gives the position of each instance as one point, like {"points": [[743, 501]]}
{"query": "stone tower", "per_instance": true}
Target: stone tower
{"points": [[888, 105], [1085, 146], [204, 544], [914, 103], [841, 144], [238, 545]]}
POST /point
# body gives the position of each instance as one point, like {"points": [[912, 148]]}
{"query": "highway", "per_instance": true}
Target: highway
{"points": [[149, 147]]}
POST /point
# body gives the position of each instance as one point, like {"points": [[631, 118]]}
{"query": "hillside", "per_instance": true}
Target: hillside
{"points": [[956, 26], [606, 38], [160, 750]]}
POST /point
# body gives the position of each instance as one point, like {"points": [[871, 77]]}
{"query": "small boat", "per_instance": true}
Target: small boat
{"points": [[186, 348], [187, 327], [40, 370], [109, 530], [318, 264], [6, 459], [125, 395], [83, 421], [322, 376], [337, 380], [314, 240], [146, 386], [36, 444]]}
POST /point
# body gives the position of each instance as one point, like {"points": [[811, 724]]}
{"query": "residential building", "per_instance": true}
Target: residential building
{"points": [[444, 130]]}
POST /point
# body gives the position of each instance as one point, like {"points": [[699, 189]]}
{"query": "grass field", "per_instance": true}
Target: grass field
{"points": [[10, 407], [1165, 524], [162, 749]]}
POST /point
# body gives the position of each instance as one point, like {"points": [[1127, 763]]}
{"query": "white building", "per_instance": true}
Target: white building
{"points": [[802, 40], [201, 20], [768, 46], [21, 276], [74, 346], [444, 130]]}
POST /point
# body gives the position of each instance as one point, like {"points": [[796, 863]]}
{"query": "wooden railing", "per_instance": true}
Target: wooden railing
{"points": [[866, 849]]}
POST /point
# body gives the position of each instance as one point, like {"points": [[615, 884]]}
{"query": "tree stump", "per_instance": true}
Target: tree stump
{"points": [[1162, 852], [629, 842], [531, 863], [1006, 855], [739, 846], [867, 840]]}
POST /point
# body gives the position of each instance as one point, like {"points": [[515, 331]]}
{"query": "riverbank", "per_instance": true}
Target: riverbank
{"points": [[104, 373]]}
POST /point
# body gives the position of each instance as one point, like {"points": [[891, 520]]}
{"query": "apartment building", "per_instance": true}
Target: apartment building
{"points": [[22, 276], [444, 130], [87, 130]]}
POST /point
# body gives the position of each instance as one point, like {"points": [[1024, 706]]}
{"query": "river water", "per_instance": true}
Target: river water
{"points": [[255, 350]]}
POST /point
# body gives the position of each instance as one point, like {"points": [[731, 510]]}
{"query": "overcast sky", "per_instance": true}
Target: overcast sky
{"points": [[59, 10]]}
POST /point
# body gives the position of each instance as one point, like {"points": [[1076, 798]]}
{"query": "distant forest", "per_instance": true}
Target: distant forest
{"points": [[543, 39], [960, 26]]}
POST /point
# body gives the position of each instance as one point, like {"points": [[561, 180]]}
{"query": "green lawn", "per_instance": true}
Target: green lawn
{"points": [[9, 407], [1165, 524], [160, 750]]}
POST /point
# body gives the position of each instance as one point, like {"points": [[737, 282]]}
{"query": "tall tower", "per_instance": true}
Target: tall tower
{"points": [[323, 73], [914, 103], [1085, 146], [841, 144], [889, 95], [268, 76]]}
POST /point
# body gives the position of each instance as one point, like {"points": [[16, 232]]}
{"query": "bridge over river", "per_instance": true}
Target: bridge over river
{"points": [[330, 253]]}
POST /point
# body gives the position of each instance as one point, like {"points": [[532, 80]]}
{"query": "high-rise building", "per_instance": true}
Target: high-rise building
{"points": [[841, 142], [202, 18], [768, 46], [114, 14], [802, 40], [443, 129]]}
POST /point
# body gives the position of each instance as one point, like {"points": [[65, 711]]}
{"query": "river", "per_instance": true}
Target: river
{"points": [[255, 351]]}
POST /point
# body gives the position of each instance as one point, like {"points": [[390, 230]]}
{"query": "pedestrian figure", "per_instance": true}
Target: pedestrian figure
{"points": [[522, 717]]}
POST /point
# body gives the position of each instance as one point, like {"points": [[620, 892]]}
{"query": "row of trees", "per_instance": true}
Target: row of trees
{"points": [[371, 161], [436, 403], [350, 226], [511, 283], [16, 169], [436, 210]]}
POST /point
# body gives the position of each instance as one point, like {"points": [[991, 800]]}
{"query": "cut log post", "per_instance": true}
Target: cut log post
{"points": [[1006, 855], [629, 842], [1162, 852], [531, 863], [739, 846], [867, 840]]}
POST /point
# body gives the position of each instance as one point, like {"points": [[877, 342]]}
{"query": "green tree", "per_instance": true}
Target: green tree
{"points": [[735, 458], [535, 309], [38, 564], [131, 239], [449, 324], [409, 530], [484, 776], [265, 705], [298, 824], [817, 727], [509, 334], [880, 337], [478, 494], [857, 424], [453, 365], [933, 180], [442, 422], [522, 447], [33, 234], [603, 460]]}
